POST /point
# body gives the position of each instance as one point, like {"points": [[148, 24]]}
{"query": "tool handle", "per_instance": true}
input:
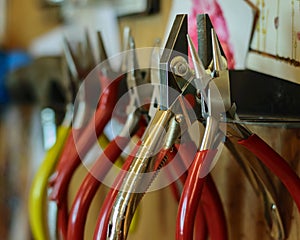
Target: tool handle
{"points": [[62, 220], [272, 160], [200, 224], [90, 185], [191, 196], [38, 190], [177, 184], [76, 149], [213, 210], [183, 162], [103, 219]]}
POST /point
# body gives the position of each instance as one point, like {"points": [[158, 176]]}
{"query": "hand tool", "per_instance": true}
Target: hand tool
{"points": [[38, 192], [212, 138], [259, 148], [127, 201], [155, 145], [252, 167], [103, 219], [37, 202], [102, 165], [70, 157]]}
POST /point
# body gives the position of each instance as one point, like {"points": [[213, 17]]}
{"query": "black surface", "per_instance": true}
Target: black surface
{"points": [[259, 96]]}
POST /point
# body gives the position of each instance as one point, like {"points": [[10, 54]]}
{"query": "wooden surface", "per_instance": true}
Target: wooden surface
{"points": [[146, 29], [29, 19], [244, 208]]}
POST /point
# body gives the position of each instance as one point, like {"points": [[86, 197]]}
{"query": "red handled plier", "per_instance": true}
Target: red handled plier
{"points": [[155, 147], [133, 126], [274, 162], [71, 155], [204, 158]]}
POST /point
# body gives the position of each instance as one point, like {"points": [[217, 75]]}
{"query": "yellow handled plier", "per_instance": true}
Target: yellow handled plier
{"points": [[38, 192]]}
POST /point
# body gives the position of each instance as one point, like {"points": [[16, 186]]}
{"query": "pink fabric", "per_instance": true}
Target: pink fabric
{"points": [[214, 10]]}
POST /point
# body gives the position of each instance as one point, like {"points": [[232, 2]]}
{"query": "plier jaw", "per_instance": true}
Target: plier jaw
{"points": [[133, 78], [220, 71], [212, 101], [215, 107], [216, 73], [175, 46]]}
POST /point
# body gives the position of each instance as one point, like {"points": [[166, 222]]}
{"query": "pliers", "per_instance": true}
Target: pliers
{"points": [[70, 158], [210, 204], [214, 135], [251, 141], [97, 173], [102, 225], [252, 167], [167, 126], [37, 203], [43, 228]]}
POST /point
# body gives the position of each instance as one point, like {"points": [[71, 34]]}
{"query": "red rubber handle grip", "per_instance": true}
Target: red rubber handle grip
{"points": [[200, 224], [70, 157], [276, 164], [213, 210], [90, 185], [191, 196]]}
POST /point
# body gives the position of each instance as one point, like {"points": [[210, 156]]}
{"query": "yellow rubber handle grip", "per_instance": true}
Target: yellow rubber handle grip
{"points": [[38, 191]]}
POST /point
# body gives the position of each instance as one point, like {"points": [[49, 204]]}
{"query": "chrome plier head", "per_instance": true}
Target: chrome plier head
{"points": [[134, 78], [212, 85]]}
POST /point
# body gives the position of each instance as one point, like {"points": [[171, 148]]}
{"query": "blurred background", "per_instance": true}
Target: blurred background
{"points": [[31, 79]]}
